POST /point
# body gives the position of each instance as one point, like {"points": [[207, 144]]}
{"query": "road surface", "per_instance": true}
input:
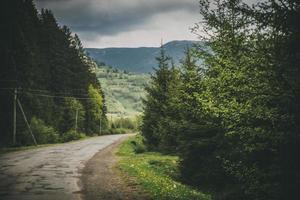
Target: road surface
{"points": [[50, 172]]}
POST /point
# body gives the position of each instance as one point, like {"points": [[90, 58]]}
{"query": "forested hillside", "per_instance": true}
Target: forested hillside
{"points": [[123, 90], [46, 78], [233, 120], [139, 60]]}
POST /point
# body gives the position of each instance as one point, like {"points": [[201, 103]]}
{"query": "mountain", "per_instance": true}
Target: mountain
{"points": [[138, 60]]}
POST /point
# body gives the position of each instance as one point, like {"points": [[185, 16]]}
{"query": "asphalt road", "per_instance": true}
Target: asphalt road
{"points": [[50, 172]]}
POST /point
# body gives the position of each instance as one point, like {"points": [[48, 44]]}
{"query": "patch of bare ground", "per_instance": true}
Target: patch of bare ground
{"points": [[102, 180]]}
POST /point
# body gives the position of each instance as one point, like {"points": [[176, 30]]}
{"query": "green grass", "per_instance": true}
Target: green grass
{"points": [[157, 174]]}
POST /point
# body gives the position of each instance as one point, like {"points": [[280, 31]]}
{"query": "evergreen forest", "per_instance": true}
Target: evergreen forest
{"points": [[45, 74], [233, 119]]}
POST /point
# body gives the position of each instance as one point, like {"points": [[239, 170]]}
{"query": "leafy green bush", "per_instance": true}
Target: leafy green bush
{"points": [[42, 132], [127, 123], [113, 131], [138, 145], [118, 131], [95, 111], [72, 135], [67, 121]]}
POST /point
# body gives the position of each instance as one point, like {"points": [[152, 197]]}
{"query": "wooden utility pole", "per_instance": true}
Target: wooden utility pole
{"points": [[15, 117], [26, 121], [111, 121], [76, 119], [100, 128]]}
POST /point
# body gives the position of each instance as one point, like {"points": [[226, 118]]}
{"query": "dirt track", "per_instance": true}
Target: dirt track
{"points": [[102, 180]]}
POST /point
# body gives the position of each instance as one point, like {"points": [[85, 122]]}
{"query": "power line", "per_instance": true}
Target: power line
{"points": [[49, 95], [54, 93], [56, 96], [7, 88], [41, 92]]}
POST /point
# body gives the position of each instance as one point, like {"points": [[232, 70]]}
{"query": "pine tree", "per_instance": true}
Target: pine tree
{"points": [[156, 100]]}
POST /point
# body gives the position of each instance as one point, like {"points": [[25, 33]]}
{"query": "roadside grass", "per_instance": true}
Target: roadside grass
{"points": [[157, 174]]}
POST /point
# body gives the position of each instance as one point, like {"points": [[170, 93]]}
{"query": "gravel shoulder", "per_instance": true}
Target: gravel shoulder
{"points": [[101, 179]]}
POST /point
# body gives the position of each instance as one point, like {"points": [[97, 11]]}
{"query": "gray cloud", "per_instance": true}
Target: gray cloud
{"points": [[111, 17], [127, 23]]}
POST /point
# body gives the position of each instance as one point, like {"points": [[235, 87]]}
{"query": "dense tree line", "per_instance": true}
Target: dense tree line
{"points": [[53, 76], [234, 117]]}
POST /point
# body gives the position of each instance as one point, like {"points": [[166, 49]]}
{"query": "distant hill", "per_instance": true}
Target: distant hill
{"points": [[123, 91], [139, 60]]}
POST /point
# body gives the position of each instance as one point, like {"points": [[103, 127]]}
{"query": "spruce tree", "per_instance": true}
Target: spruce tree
{"points": [[156, 99]]}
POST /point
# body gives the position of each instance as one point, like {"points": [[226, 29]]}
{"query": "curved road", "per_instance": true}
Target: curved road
{"points": [[50, 172]]}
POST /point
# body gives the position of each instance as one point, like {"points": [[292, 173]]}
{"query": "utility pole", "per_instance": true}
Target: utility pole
{"points": [[111, 121], [26, 121], [121, 121], [76, 119], [100, 128], [15, 117]]}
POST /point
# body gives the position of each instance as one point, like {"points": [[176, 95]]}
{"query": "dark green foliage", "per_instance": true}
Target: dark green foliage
{"points": [[72, 135], [283, 17], [68, 118], [44, 134], [159, 106], [138, 147], [46, 63], [113, 131], [235, 117]]}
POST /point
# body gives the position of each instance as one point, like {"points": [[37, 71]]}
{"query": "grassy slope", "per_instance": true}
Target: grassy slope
{"points": [[155, 173], [123, 91]]}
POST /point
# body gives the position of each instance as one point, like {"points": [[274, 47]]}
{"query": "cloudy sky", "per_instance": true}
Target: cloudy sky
{"points": [[126, 23]]}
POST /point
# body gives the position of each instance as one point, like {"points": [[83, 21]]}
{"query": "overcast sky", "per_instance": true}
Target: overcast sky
{"points": [[126, 23]]}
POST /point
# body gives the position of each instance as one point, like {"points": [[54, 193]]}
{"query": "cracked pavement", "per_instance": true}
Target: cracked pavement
{"points": [[48, 173]]}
